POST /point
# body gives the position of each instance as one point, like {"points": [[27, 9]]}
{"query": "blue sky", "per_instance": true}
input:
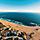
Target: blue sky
{"points": [[20, 5]]}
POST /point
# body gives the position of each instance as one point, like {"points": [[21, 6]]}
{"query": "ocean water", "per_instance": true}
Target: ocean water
{"points": [[21, 18]]}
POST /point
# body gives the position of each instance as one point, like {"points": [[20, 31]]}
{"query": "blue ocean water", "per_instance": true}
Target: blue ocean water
{"points": [[21, 18]]}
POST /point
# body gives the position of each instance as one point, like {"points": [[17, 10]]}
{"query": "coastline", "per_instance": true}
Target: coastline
{"points": [[23, 28]]}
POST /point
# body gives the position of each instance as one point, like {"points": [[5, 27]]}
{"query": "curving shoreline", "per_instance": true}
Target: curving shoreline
{"points": [[34, 31], [19, 27]]}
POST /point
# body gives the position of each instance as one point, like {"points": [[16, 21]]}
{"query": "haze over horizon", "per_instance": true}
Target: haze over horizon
{"points": [[20, 6]]}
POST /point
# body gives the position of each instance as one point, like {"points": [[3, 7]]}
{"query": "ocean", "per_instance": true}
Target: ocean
{"points": [[21, 17]]}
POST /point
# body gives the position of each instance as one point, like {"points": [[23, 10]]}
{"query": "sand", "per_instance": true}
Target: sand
{"points": [[19, 27], [26, 29]]}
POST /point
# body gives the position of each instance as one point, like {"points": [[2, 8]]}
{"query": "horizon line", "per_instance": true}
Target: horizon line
{"points": [[28, 11]]}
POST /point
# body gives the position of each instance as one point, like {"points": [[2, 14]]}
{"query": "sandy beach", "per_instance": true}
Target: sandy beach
{"points": [[19, 27], [26, 29]]}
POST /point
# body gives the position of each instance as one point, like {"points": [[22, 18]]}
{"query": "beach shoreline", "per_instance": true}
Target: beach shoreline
{"points": [[19, 27]]}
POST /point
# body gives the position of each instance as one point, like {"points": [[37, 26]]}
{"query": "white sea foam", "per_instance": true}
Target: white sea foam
{"points": [[13, 21]]}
